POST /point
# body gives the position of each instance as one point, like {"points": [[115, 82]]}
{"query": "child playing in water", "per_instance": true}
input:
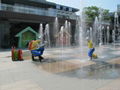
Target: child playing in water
{"points": [[91, 49], [37, 48]]}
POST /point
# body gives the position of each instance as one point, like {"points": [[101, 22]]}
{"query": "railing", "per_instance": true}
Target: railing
{"points": [[27, 10]]}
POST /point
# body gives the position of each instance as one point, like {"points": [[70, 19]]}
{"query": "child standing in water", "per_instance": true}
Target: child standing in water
{"points": [[91, 48]]}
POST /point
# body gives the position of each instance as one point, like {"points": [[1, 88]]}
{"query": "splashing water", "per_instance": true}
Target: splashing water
{"points": [[41, 32], [47, 35]]}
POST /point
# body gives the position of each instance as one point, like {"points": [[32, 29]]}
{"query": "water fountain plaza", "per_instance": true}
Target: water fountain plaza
{"points": [[63, 55], [70, 61], [64, 49], [66, 66]]}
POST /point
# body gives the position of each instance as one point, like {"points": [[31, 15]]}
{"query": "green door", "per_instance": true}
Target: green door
{"points": [[26, 38]]}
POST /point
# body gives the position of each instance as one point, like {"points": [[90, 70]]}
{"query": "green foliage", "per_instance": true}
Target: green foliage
{"points": [[93, 11], [106, 16]]}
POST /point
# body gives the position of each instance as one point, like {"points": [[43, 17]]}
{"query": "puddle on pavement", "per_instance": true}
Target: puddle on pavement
{"points": [[100, 70]]}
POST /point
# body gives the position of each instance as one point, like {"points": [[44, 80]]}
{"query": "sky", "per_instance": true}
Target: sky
{"points": [[105, 4]]}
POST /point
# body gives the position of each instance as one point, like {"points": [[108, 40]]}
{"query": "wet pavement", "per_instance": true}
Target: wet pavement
{"points": [[100, 70], [62, 71]]}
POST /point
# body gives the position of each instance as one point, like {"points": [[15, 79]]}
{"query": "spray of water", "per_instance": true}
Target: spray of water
{"points": [[108, 34], [41, 32], [47, 35], [56, 31], [95, 32], [116, 24]]}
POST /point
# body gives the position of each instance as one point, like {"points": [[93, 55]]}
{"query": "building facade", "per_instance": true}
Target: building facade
{"points": [[15, 15], [118, 8]]}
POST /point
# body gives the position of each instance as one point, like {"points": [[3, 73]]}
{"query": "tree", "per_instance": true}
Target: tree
{"points": [[93, 11]]}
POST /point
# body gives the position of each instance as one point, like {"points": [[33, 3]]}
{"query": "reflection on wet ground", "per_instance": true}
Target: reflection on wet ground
{"points": [[100, 70], [70, 64]]}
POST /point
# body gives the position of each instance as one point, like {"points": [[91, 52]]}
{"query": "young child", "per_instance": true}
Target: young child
{"points": [[37, 48], [91, 48]]}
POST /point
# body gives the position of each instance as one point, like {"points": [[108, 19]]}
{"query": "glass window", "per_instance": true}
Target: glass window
{"points": [[70, 9], [61, 8], [64, 8], [57, 6], [118, 8]]}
